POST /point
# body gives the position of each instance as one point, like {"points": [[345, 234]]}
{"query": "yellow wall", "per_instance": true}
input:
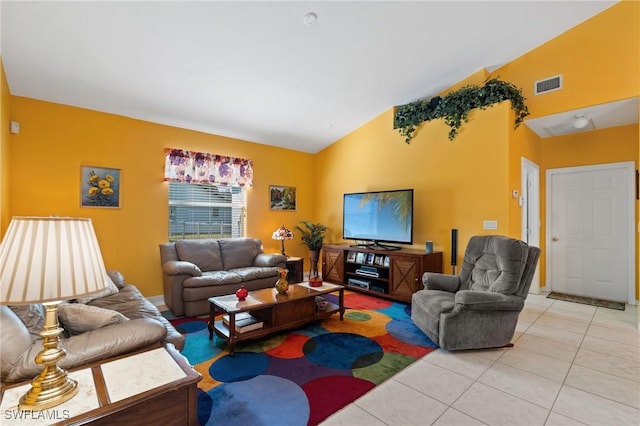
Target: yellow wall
{"points": [[598, 59], [596, 147], [600, 62], [55, 140], [456, 184], [5, 136]]}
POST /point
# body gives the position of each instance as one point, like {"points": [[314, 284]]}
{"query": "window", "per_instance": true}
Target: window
{"points": [[206, 211]]}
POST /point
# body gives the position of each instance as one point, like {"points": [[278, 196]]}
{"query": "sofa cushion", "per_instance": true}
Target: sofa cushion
{"points": [[213, 278], [110, 289], [205, 254], [238, 252], [133, 305], [78, 318], [254, 273]]}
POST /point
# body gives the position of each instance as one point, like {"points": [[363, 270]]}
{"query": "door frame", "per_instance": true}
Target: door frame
{"points": [[629, 166], [530, 202]]}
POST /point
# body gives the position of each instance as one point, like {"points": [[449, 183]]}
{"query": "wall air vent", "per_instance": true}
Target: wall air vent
{"points": [[548, 85]]}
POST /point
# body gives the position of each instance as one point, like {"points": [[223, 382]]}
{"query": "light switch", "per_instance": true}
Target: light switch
{"points": [[490, 224]]}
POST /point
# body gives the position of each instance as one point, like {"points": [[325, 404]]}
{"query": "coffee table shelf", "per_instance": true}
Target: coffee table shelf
{"points": [[277, 312]]}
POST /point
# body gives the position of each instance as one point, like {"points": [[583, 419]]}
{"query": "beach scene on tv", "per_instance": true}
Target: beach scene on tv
{"points": [[379, 216]]}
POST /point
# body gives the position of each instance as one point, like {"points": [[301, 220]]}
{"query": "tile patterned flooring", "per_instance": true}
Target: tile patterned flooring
{"points": [[571, 364]]}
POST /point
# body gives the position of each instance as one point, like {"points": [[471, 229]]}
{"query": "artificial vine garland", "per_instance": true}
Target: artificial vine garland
{"points": [[454, 107]]}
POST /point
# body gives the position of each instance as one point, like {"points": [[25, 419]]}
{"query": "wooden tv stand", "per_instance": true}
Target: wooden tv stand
{"points": [[393, 274]]}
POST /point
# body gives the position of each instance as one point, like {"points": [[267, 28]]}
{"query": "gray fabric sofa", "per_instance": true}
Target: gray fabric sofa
{"points": [[480, 307], [116, 321], [195, 270]]}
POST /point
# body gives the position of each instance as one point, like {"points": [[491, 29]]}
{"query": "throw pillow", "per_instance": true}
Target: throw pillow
{"points": [[32, 316], [78, 318], [108, 291]]}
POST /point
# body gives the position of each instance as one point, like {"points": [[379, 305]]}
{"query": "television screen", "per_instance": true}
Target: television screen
{"points": [[381, 216]]}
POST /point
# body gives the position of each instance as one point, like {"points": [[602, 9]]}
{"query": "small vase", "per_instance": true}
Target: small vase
{"points": [[282, 285], [242, 293]]}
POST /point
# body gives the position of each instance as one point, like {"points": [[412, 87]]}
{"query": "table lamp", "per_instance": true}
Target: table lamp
{"points": [[282, 234], [47, 260]]}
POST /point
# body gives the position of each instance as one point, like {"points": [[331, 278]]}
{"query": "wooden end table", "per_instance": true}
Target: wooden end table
{"points": [[156, 386], [295, 265], [277, 311]]}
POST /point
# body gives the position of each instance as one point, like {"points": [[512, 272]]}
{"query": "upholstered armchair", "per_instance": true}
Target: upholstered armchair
{"points": [[480, 307]]}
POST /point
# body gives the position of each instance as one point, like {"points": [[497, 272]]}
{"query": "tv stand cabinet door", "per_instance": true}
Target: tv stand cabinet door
{"points": [[333, 265], [404, 278]]}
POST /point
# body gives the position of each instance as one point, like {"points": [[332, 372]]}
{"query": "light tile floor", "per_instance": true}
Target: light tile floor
{"points": [[571, 364]]}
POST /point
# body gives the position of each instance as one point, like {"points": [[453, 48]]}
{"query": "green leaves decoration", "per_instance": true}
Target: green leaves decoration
{"points": [[454, 107]]}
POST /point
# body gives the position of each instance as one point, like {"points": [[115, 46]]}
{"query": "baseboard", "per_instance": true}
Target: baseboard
{"points": [[158, 301]]}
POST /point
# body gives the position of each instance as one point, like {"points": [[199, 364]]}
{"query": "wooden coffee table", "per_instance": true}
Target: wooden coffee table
{"points": [[277, 311]]}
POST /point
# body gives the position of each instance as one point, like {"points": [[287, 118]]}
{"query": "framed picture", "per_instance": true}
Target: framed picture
{"points": [[99, 187], [282, 197], [360, 257], [386, 261], [351, 257], [379, 260], [370, 258]]}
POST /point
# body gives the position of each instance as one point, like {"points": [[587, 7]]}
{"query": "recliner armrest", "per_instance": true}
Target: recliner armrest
{"points": [[444, 282], [487, 301], [270, 259], [181, 267]]}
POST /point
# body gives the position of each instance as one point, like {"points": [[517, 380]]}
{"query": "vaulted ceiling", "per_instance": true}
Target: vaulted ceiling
{"points": [[265, 71]]}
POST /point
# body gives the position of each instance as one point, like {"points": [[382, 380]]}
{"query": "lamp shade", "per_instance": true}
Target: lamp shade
{"points": [[45, 259], [282, 233]]}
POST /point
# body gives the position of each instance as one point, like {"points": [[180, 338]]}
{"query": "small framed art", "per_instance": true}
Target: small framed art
{"points": [[99, 187], [282, 197]]}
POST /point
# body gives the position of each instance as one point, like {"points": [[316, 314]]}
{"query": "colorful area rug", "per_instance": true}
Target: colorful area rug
{"points": [[302, 376], [587, 301]]}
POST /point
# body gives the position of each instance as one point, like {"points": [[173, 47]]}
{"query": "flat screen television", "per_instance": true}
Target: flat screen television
{"points": [[372, 218]]}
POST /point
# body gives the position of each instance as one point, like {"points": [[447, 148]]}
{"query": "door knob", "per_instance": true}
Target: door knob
{"points": [[554, 239]]}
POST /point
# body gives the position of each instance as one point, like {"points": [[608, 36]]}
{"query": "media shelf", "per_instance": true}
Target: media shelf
{"points": [[393, 274]]}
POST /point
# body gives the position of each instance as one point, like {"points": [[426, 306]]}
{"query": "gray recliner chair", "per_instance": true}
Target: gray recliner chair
{"points": [[480, 307]]}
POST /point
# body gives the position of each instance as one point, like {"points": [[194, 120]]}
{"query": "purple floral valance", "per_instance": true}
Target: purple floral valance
{"points": [[209, 169]]}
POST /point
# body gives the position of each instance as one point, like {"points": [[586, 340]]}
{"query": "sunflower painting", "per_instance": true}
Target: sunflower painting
{"points": [[100, 187]]}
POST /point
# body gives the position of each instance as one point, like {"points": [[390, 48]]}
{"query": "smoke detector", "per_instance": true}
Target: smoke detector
{"points": [[310, 19]]}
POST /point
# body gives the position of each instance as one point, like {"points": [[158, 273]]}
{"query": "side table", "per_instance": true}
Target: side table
{"points": [[156, 386], [295, 265]]}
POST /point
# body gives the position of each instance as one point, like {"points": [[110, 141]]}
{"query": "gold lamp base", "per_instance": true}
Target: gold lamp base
{"points": [[52, 386]]}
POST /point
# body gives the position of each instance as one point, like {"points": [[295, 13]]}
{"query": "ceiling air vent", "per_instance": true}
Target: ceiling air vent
{"points": [[548, 84]]}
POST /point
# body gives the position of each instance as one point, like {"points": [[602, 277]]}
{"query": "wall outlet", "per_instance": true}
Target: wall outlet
{"points": [[14, 127], [490, 224]]}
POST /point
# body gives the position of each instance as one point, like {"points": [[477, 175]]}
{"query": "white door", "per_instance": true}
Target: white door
{"points": [[530, 203], [590, 238]]}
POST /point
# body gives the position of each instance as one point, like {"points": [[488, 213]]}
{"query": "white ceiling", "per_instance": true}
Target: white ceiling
{"points": [[253, 70], [603, 116]]}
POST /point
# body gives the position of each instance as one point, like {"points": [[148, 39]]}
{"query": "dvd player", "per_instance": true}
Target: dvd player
{"points": [[359, 283], [367, 273]]}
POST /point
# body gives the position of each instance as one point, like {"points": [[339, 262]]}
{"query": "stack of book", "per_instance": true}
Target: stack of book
{"points": [[244, 322]]}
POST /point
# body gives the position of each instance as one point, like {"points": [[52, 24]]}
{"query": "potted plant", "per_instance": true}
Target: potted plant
{"points": [[313, 237], [455, 106]]}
